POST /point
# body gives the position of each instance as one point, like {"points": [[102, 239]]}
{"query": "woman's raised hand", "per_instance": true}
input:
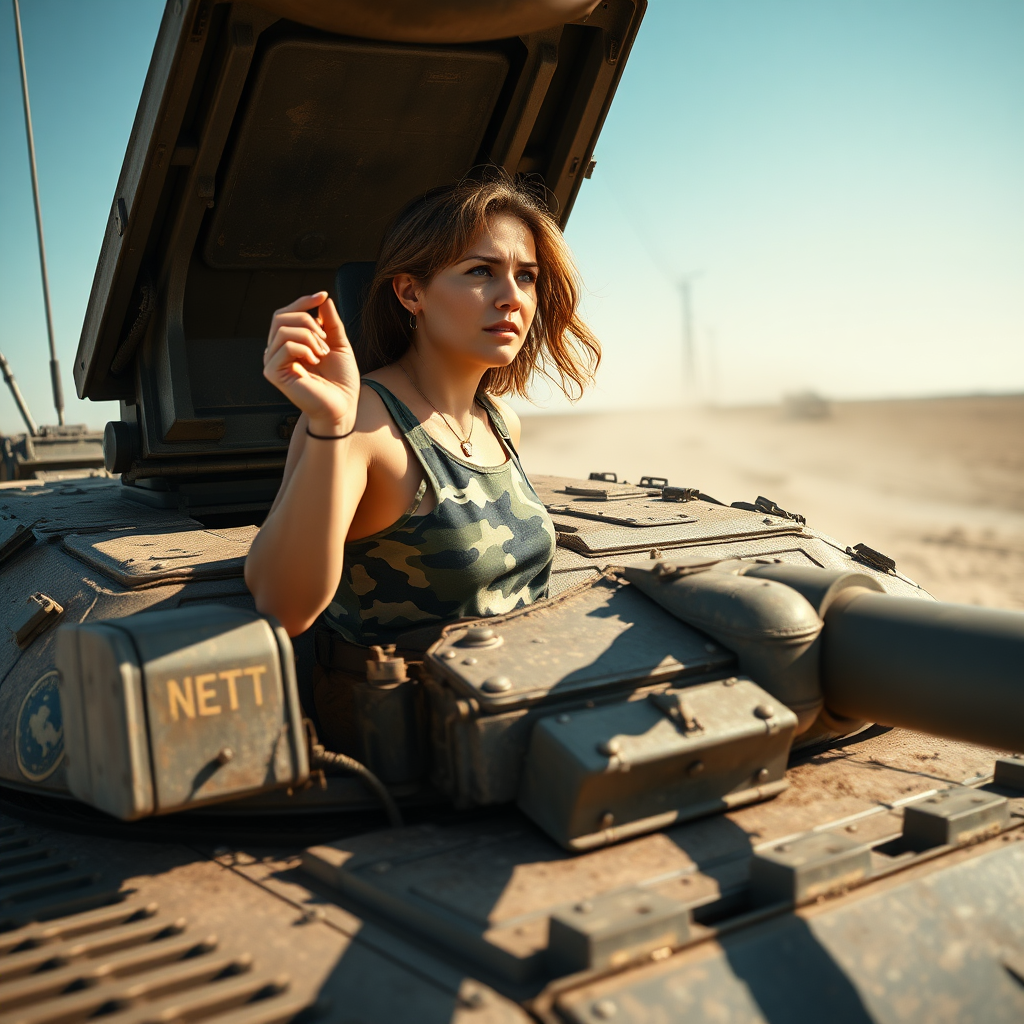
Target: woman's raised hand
{"points": [[309, 358]]}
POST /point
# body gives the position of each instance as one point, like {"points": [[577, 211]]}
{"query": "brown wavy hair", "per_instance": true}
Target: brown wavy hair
{"points": [[435, 231]]}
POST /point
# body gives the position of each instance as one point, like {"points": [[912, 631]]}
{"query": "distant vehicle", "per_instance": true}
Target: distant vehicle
{"points": [[806, 405], [670, 793]]}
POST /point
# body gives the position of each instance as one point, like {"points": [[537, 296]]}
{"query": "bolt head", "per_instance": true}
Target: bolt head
{"points": [[478, 635], [450, 655], [764, 711], [224, 755], [604, 1009], [609, 747], [761, 774], [497, 684], [695, 769], [607, 819]]}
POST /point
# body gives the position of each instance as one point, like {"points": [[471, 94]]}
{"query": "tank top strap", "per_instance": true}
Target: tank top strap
{"points": [[498, 422], [398, 410], [418, 440]]}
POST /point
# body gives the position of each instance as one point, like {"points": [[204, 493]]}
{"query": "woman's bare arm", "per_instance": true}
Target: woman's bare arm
{"points": [[295, 561]]}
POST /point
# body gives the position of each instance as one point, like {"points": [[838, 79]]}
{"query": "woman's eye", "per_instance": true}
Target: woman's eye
{"points": [[527, 276], [482, 270]]}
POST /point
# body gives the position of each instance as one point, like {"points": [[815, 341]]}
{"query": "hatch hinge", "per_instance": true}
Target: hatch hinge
{"points": [[871, 557], [768, 507]]}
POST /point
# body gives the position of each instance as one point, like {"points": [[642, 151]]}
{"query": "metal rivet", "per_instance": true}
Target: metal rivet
{"points": [[731, 681], [761, 774], [450, 655], [478, 636], [314, 914], [381, 867], [469, 661], [604, 1009], [695, 769], [497, 684], [764, 711], [562, 719], [538, 640], [584, 908], [851, 828], [977, 799], [609, 747], [643, 908], [225, 754], [607, 819], [784, 848]]}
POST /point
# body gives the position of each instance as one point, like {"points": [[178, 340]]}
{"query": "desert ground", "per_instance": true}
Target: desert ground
{"points": [[937, 484]]}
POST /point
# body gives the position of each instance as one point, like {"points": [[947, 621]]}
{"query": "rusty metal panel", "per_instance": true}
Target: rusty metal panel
{"points": [[84, 506], [615, 929], [604, 635], [935, 948], [807, 867], [954, 816], [182, 707], [136, 559], [601, 774], [105, 721]]}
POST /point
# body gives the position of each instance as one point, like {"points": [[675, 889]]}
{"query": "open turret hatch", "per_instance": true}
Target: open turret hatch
{"points": [[267, 153]]}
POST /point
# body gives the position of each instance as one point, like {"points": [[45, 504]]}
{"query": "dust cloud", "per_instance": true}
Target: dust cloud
{"points": [[936, 484]]}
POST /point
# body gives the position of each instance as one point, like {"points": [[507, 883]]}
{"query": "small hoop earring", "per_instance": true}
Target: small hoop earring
{"points": [[412, 322]]}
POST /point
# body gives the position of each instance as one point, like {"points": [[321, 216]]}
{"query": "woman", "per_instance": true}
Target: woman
{"points": [[403, 503]]}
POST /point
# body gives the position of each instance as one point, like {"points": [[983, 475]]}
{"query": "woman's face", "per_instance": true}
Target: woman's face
{"points": [[479, 310]]}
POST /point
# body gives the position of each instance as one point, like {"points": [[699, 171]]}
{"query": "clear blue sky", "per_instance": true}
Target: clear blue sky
{"points": [[845, 174]]}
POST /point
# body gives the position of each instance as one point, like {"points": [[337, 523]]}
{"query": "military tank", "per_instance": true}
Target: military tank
{"points": [[731, 770]]}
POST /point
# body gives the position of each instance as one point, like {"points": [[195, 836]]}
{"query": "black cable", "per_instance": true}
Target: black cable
{"points": [[323, 758]]}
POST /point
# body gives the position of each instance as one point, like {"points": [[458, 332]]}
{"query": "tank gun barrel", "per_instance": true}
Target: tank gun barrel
{"points": [[948, 669]]}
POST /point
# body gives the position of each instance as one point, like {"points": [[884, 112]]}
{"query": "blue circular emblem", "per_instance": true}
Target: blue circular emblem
{"points": [[40, 734]]}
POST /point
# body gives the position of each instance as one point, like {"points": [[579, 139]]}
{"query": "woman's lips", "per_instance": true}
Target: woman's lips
{"points": [[503, 330]]}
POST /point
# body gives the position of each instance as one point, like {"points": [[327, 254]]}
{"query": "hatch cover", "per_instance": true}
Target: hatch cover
{"points": [[652, 512], [599, 635], [147, 560]]}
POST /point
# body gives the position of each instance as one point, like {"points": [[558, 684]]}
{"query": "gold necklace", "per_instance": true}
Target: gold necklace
{"points": [[465, 443]]}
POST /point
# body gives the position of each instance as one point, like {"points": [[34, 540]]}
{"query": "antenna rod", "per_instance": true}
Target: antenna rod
{"points": [[685, 286], [58, 391], [19, 399]]}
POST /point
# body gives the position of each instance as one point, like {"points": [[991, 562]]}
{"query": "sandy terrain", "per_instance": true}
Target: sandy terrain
{"points": [[937, 484]]}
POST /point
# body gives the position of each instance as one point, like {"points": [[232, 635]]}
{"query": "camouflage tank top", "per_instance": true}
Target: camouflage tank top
{"points": [[484, 549]]}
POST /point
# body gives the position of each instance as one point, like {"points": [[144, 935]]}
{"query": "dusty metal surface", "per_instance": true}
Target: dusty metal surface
{"points": [[603, 636], [488, 891], [148, 560], [122, 944]]}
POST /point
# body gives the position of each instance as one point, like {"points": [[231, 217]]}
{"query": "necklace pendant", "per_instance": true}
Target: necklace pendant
{"points": [[467, 449]]}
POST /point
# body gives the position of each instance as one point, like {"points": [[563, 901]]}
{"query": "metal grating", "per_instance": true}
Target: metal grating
{"points": [[72, 949]]}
